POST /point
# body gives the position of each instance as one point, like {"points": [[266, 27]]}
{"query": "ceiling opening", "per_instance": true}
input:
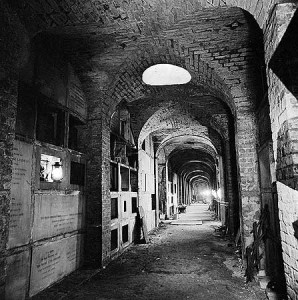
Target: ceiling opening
{"points": [[165, 74]]}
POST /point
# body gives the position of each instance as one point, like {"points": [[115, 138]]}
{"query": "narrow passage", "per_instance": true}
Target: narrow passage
{"points": [[180, 262]]}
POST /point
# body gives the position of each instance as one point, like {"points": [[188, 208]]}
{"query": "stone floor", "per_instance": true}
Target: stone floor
{"points": [[184, 261]]}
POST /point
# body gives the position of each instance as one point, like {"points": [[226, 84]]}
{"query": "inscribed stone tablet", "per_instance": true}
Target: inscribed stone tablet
{"points": [[57, 214], [17, 275], [20, 209], [54, 260]]}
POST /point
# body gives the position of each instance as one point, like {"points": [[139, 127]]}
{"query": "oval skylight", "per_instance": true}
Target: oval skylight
{"points": [[165, 74]]}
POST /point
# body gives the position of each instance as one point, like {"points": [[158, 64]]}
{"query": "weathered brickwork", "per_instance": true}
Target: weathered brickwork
{"points": [[111, 44], [234, 68], [106, 198], [288, 213], [13, 54], [14, 42], [134, 16], [8, 101], [248, 172], [283, 114]]}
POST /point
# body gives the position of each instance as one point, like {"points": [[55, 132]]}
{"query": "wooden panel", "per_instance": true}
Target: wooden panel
{"points": [[76, 99]]}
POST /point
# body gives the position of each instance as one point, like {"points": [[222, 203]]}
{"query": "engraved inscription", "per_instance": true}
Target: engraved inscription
{"points": [[47, 263], [54, 260], [57, 214], [19, 224]]}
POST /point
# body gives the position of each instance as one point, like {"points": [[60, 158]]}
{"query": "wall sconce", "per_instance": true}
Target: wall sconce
{"points": [[57, 172]]}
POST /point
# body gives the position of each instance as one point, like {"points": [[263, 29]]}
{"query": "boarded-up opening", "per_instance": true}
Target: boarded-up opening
{"points": [[134, 181], [50, 124], [153, 201], [114, 239], [134, 205], [114, 178], [77, 173], [114, 208], [124, 179], [125, 233]]}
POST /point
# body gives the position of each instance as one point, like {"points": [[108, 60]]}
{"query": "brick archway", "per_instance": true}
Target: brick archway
{"points": [[129, 77]]}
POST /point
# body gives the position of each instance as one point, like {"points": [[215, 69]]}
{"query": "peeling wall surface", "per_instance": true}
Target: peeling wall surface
{"points": [[72, 98]]}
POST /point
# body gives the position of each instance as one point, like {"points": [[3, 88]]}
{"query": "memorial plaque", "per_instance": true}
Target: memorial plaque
{"points": [[55, 214], [20, 207], [54, 260], [17, 274]]}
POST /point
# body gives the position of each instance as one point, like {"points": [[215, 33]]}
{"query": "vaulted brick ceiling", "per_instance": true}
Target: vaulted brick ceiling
{"points": [[111, 43], [194, 163], [99, 49], [133, 15]]}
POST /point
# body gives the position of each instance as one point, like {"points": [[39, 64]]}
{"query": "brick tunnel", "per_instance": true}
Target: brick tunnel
{"points": [[87, 143]]}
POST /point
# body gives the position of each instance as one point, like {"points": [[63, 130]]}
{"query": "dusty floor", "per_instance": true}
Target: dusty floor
{"points": [[180, 262]]}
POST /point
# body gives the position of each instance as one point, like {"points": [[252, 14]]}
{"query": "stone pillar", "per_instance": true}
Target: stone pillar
{"points": [[162, 195], [246, 141], [231, 188], [222, 185], [93, 241], [156, 184], [98, 207], [167, 189], [106, 196]]}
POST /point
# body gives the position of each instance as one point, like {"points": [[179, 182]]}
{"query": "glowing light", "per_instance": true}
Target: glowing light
{"points": [[57, 173], [206, 193], [165, 74], [219, 193]]}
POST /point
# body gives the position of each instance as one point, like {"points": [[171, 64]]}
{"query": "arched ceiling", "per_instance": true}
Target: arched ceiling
{"points": [[194, 164], [182, 115], [179, 137], [111, 43], [135, 16], [112, 59]]}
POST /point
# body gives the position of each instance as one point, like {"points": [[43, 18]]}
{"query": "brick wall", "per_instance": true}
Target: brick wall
{"points": [[283, 114], [93, 147], [202, 43], [8, 97], [233, 54], [133, 17], [288, 213], [14, 44]]}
